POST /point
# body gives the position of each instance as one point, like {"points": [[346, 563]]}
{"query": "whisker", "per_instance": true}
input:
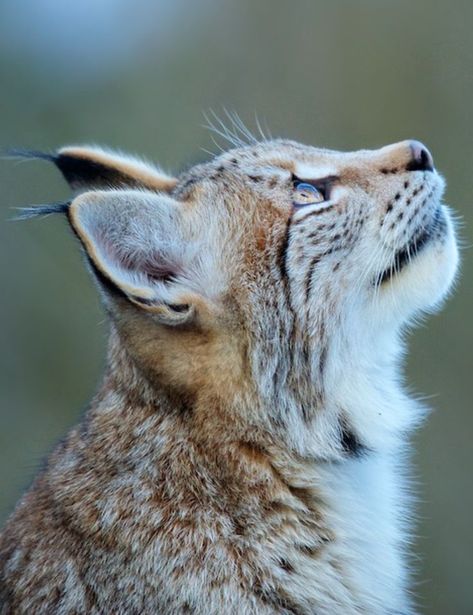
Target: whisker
{"points": [[220, 129], [239, 126], [207, 151], [259, 127]]}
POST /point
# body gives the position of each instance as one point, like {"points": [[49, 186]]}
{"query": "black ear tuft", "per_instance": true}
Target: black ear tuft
{"points": [[78, 171], [30, 154], [39, 211]]}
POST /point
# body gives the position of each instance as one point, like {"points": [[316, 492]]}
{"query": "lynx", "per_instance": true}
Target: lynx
{"points": [[245, 453]]}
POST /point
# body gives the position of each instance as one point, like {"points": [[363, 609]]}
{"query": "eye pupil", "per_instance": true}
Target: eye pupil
{"points": [[307, 194]]}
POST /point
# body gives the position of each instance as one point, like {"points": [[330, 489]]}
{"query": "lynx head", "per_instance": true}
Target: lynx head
{"points": [[271, 283]]}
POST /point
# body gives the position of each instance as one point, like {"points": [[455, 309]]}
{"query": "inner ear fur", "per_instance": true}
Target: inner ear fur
{"points": [[134, 242], [86, 167]]}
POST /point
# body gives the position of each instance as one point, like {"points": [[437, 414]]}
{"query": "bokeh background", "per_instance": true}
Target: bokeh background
{"points": [[137, 75]]}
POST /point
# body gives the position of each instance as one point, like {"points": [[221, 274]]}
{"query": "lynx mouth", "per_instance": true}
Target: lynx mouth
{"points": [[408, 253]]}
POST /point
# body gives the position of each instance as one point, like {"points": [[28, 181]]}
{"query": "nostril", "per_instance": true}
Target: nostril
{"points": [[421, 158]]}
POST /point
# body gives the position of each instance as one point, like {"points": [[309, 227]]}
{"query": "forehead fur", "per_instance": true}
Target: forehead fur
{"points": [[279, 159]]}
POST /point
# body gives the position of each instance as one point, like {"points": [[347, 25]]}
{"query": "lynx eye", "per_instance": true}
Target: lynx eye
{"points": [[307, 194]]}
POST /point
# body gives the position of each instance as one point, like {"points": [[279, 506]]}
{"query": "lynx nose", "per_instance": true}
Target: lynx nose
{"points": [[421, 158]]}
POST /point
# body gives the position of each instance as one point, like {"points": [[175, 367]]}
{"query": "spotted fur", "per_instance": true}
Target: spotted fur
{"points": [[245, 451]]}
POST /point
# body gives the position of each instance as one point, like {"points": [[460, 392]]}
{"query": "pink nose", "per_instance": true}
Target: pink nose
{"points": [[421, 158]]}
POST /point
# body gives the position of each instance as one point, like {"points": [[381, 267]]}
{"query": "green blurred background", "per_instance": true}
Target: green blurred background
{"points": [[137, 75]]}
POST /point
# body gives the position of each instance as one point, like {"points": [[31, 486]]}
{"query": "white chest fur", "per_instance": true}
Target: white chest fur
{"points": [[362, 568], [369, 506]]}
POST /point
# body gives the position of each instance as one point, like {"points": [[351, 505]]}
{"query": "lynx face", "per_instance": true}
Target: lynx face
{"points": [[277, 272], [373, 231]]}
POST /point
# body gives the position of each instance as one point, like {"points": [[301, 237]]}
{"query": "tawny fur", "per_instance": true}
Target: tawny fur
{"points": [[245, 452]]}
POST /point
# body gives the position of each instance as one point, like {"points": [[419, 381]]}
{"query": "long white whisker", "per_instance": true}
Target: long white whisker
{"points": [[222, 131], [240, 126], [207, 151], [231, 133], [267, 130], [259, 127], [217, 144]]}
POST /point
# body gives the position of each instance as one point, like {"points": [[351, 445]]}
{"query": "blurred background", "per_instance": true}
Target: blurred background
{"points": [[137, 75]]}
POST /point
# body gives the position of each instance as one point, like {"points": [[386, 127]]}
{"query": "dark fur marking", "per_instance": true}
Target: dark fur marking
{"points": [[313, 214], [305, 412], [303, 494], [313, 264], [386, 171], [286, 282], [285, 565], [314, 234], [282, 258], [309, 550], [189, 182], [185, 189], [349, 441], [322, 359], [308, 280]]}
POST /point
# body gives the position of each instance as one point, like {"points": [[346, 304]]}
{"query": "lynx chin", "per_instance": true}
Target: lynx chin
{"points": [[245, 453]]}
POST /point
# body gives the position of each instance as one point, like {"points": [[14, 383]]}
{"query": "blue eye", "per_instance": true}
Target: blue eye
{"points": [[307, 194]]}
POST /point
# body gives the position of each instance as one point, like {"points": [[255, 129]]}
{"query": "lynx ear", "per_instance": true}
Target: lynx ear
{"points": [[92, 167], [135, 243]]}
